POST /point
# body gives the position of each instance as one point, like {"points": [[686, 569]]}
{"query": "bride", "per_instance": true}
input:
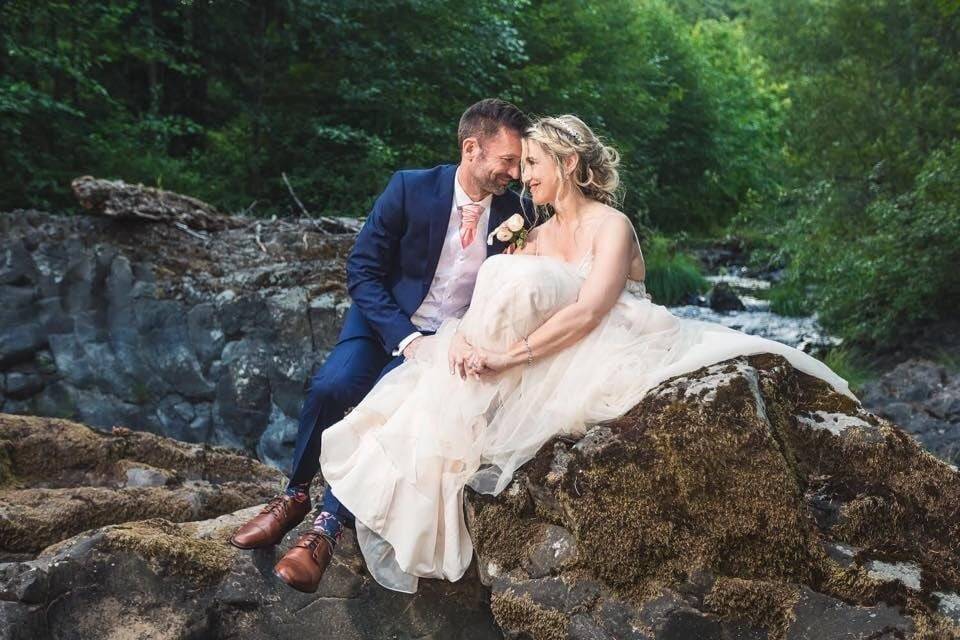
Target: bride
{"points": [[559, 335]]}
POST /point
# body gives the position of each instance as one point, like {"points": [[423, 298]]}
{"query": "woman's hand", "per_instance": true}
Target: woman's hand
{"points": [[460, 351], [484, 362]]}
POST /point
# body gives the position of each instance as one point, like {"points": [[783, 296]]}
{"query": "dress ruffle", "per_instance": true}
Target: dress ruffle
{"points": [[400, 460]]}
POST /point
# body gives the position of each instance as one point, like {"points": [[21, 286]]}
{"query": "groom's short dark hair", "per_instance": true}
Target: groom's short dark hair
{"points": [[485, 118]]}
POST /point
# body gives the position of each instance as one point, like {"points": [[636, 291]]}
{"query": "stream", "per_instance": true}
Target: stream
{"points": [[803, 333]]}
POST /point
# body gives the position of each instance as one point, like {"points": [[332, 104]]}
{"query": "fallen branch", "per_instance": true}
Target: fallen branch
{"points": [[257, 238], [294, 195]]}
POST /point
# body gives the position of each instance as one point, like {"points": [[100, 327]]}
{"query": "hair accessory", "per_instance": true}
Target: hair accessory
{"points": [[567, 129]]}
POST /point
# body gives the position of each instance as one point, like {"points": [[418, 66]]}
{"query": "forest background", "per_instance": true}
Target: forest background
{"points": [[825, 134]]}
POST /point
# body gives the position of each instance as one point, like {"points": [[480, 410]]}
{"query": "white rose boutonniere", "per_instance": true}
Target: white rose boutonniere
{"points": [[510, 230]]}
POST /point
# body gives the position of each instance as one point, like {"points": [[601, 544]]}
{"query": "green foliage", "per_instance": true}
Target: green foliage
{"points": [[222, 102], [672, 276], [876, 264], [869, 216], [825, 130], [789, 298]]}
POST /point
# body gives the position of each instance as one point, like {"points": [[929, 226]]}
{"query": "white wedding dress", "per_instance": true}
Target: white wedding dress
{"points": [[400, 460]]}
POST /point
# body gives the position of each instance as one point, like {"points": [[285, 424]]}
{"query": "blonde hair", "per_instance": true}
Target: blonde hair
{"points": [[595, 174]]}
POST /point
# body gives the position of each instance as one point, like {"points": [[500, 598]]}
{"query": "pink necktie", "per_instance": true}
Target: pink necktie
{"points": [[469, 216]]}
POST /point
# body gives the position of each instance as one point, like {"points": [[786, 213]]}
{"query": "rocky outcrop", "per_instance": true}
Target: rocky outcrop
{"points": [[744, 500], [95, 528], [156, 579], [923, 397], [59, 478], [205, 333]]}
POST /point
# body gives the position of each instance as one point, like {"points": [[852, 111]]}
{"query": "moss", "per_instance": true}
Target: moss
{"points": [[521, 615], [7, 477], [720, 485], [690, 489], [897, 499], [853, 584], [168, 548], [763, 604], [500, 531], [59, 452]]}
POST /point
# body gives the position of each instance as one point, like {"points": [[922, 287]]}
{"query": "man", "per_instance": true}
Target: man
{"points": [[414, 264]]}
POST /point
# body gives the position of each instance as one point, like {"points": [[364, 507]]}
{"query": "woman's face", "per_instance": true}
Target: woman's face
{"points": [[539, 173]]}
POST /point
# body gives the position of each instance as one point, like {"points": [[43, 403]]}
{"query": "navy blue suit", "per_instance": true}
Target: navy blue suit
{"points": [[389, 273]]}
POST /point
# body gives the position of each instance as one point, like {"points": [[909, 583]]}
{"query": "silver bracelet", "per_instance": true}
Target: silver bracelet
{"points": [[529, 351]]}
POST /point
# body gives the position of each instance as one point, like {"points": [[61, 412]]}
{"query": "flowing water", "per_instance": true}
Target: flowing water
{"points": [[804, 333]]}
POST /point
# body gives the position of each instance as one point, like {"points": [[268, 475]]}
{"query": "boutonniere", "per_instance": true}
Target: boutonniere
{"points": [[510, 230]]}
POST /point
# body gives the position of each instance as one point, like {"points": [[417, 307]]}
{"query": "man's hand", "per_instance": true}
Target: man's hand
{"points": [[411, 349]]}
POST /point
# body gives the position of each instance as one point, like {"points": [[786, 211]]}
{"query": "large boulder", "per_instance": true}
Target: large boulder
{"points": [[157, 579], [743, 500]]}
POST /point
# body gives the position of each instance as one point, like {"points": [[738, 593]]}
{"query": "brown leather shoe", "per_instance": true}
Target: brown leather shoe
{"points": [[303, 565], [268, 527]]}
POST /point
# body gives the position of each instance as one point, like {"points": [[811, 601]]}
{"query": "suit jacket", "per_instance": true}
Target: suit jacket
{"points": [[392, 264]]}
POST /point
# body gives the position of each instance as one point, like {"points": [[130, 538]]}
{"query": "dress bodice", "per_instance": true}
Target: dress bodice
{"points": [[636, 287]]}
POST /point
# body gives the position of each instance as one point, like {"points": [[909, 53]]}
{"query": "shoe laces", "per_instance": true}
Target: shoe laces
{"points": [[311, 540], [277, 506]]}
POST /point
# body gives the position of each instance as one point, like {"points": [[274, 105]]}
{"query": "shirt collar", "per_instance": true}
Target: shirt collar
{"points": [[461, 198]]}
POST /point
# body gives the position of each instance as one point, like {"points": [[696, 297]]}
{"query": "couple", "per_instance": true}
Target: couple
{"points": [[463, 353]]}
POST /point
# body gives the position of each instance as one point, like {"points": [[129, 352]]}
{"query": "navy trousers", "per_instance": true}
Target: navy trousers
{"points": [[350, 371]]}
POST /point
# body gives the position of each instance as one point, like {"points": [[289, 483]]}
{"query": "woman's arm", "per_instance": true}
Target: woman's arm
{"points": [[461, 352], [613, 249]]}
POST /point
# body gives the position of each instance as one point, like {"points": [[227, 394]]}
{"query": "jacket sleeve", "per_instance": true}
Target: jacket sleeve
{"points": [[367, 266]]}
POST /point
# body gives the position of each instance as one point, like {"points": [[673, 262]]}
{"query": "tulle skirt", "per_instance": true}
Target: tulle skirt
{"points": [[401, 459]]}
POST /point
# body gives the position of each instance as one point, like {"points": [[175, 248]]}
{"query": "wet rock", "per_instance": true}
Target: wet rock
{"points": [[552, 551], [22, 385], [20, 343], [819, 617], [722, 297], [924, 399]]}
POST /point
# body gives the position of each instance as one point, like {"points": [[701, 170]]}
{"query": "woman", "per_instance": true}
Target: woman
{"points": [[559, 335]]}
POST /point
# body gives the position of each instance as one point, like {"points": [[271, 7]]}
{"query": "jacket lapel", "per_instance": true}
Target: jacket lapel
{"points": [[439, 212]]}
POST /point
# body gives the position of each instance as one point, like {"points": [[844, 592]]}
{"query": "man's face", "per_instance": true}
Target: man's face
{"points": [[497, 162]]}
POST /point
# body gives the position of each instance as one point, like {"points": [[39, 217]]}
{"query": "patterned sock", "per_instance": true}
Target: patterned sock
{"points": [[300, 492], [329, 525]]}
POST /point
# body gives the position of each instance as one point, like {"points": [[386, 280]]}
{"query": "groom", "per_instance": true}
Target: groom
{"points": [[414, 264]]}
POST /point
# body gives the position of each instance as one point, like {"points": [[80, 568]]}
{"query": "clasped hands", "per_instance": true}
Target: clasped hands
{"points": [[466, 359]]}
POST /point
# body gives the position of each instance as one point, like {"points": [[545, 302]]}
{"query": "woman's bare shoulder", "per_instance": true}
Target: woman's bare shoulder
{"points": [[612, 221]]}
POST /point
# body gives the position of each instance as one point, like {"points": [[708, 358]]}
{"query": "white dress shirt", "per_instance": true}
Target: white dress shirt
{"points": [[452, 285]]}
